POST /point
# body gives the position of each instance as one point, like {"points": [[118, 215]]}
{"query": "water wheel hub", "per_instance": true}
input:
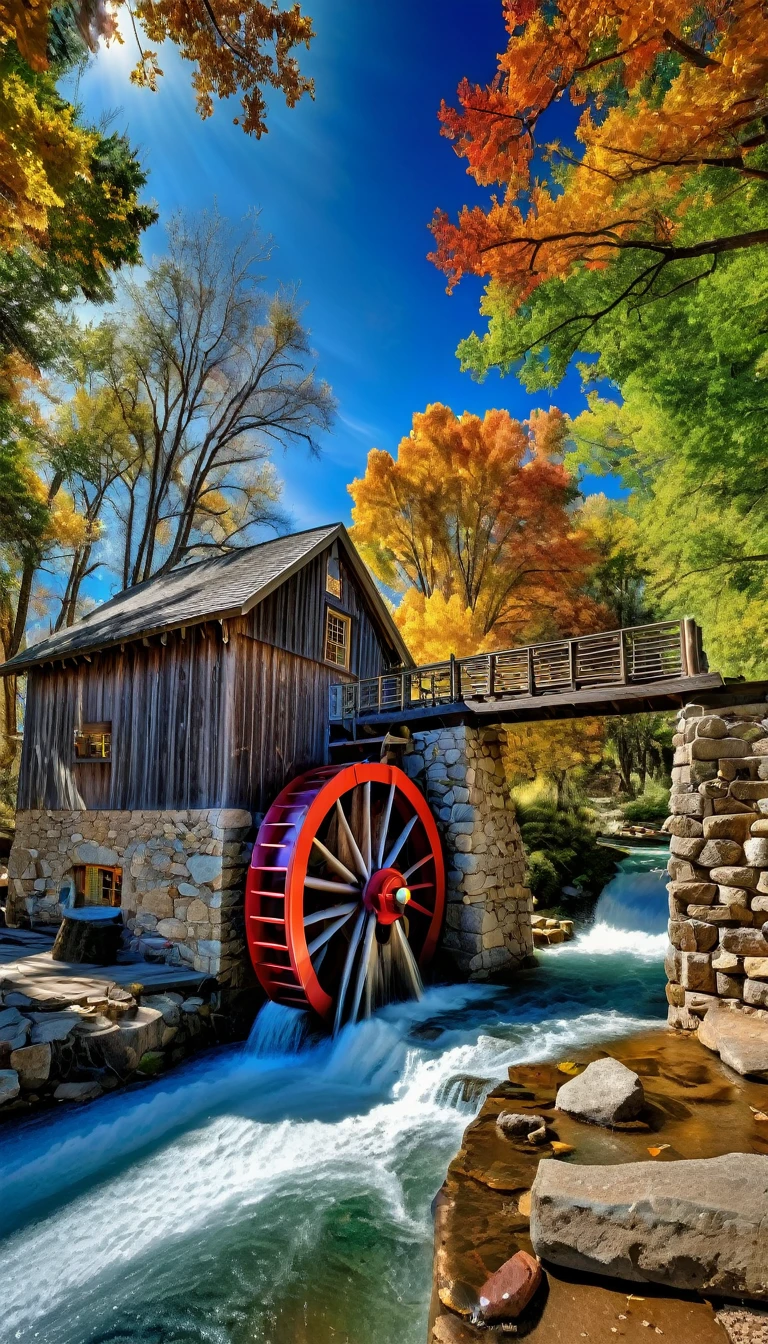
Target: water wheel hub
{"points": [[386, 895]]}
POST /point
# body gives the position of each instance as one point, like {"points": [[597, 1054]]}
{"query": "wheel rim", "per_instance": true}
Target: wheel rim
{"points": [[345, 892]]}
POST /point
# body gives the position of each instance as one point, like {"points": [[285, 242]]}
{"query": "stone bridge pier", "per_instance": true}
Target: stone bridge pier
{"points": [[718, 865], [488, 912]]}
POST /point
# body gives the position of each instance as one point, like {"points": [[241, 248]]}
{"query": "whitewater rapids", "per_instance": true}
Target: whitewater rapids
{"points": [[280, 1192]]}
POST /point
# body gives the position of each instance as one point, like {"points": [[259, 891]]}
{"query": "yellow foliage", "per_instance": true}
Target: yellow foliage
{"points": [[435, 627], [68, 528], [42, 151], [554, 748]]}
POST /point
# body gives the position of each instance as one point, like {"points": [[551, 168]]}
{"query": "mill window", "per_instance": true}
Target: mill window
{"points": [[333, 579], [93, 742], [337, 631], [96, 885]]}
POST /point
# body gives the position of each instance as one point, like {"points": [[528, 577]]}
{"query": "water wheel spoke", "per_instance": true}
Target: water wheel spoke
{"points": [[324, 884], [422, 909], [332, 860], [418, 864], [328, 933], [362, 969], [385, 827], [348, 964], [400, 841], [408, 961], [366, 850], [330, 913], [351, 841]]}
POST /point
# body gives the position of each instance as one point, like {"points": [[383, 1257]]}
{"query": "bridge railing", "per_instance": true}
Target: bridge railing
{"points": [[663, 651]]}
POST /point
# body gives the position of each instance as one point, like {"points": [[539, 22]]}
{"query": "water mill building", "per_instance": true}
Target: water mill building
{"points": [[160, 727]]}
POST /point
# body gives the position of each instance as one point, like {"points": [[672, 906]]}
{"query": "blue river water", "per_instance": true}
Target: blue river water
{"points": [[280, 1193]]}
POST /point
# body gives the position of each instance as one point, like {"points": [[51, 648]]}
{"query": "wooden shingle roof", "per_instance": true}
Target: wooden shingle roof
{"points": [[224, 587]]}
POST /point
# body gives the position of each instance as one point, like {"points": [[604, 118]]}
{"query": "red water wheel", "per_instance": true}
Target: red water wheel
{"points": [[345, 892]]}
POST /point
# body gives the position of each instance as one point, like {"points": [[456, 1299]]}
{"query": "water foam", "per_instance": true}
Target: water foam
{"points": [[604, 940], [282, 1191]]}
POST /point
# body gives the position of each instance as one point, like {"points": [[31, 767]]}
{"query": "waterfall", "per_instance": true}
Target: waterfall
{"points": [[278, 1030]]}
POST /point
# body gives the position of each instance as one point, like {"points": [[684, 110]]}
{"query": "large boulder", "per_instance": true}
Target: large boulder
{"points": [[606, 1093], [699, 1226]]}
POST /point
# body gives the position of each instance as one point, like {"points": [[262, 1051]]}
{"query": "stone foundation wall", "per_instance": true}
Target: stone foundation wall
{"points": [[488, 917], [718, 865], [183, 876]]}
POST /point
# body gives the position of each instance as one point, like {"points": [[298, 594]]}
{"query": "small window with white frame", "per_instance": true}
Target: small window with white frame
{"points": [[337, 638]]}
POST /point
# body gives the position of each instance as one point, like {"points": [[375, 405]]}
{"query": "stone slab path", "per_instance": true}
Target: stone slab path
{"points": [[26, 967]]}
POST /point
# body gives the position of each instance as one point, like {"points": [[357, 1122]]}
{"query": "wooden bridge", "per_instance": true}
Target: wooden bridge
{"points": [[646, 667]]}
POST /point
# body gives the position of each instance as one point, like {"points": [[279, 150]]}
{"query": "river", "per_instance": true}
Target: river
{"points": [[280, 1193]]}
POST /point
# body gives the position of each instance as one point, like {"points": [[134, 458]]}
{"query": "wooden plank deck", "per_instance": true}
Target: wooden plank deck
{"points": [[26, 967]]}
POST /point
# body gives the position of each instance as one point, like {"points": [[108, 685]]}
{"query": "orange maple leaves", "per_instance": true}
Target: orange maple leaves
{"points": [[670, 92], [472, 522]]}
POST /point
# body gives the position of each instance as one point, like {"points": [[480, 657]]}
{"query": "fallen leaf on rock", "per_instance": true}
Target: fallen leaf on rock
{"points": [[524, 1204], [568, 1066], [558, 1147], [660, 1149]]}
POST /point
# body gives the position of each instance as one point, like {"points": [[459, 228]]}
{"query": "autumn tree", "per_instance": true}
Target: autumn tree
{"points": [[619, 579], [236, 46], [561, 752], [665, 174], [472, 523], [181, 403]]}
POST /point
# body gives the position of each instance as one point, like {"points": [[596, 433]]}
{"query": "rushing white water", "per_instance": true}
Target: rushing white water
{"points": [[280, 1193]]}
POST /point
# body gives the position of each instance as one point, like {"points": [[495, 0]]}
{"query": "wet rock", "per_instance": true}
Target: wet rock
{"points": [[450, 1329], [740, 1039], [151, 1063], [699, 1225], [33, 1065], [77, 1091], [9, 1085], [123, 1048], [606, 1093], [507, 1293], [515, 1125]]}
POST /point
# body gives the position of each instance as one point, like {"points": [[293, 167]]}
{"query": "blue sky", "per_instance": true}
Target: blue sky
{"points": [[346, 185]]}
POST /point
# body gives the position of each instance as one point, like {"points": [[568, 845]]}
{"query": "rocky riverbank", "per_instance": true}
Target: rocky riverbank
{"points": [[690, 1106], [55, 1051]]}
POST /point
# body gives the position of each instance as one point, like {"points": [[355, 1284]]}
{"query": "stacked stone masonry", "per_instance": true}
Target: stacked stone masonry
{"points": [[718, 864], [488, 914], [183, 877]]}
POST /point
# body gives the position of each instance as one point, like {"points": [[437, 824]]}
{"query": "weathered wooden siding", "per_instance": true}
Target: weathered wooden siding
{"points": [[170, 727], [293, 618], [197, 722]]}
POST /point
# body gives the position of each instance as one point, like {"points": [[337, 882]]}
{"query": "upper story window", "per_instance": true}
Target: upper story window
{"points": [[337, 638], [93, 742], [333, 577]]}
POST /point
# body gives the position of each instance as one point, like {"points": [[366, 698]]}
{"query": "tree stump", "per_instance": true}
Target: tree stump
{"points": [[88, 936]]}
